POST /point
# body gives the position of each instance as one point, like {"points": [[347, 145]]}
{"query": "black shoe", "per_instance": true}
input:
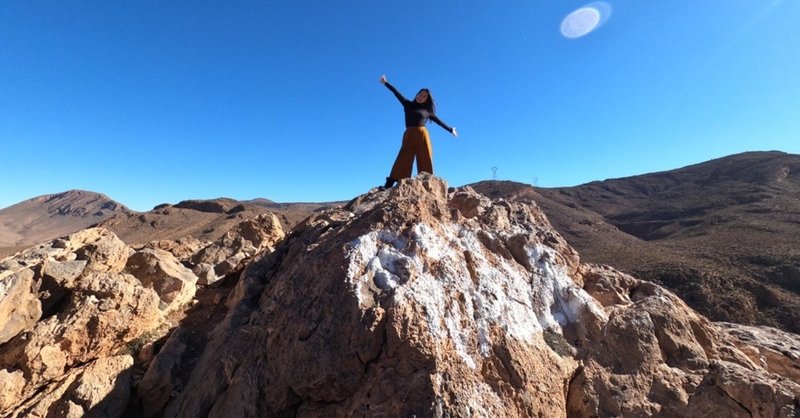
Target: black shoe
{"points": [[389, 183]]}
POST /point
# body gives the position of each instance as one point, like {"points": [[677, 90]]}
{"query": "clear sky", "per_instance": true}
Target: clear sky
{"points": [[162, 101]]}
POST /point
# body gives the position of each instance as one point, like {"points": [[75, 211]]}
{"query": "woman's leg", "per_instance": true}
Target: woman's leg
{"points": [[424, 153], [405, 159]]}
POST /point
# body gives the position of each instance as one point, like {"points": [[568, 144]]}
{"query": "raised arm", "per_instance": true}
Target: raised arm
{"points": [[391, 88], [443, 125]]}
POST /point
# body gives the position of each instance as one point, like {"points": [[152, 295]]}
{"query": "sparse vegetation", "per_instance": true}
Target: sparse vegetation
{"points": [[558, 343], [135, 345]]}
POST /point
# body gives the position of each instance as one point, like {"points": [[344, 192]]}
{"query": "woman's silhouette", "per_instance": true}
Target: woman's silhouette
{"points": [[416, 141]]}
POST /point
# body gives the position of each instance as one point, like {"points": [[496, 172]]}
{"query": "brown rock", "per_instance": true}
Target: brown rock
{"points": [[656, 356], [205, 274], [774, 350], [158, 382], [182, 249], [397, 305], [20, 307], [104, 312], [732, 390], [416, 302], [229, 252], [57, 281], [11, 384], [65, 363], [159, 270], [99, 389], [100, 248]]}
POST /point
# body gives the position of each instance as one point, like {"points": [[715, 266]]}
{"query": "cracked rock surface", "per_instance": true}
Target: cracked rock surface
{"points": [[423, 301]]}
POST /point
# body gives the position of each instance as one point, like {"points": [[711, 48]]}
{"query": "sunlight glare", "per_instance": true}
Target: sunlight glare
{"points": [[585, 19]]}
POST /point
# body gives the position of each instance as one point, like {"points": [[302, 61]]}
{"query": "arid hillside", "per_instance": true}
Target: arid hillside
{"points": [[46, 217], [722, 234], [419, 300]]}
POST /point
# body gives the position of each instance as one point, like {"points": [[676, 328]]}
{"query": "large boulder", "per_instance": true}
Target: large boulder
{"points": [[657, 357], [232, 250], [89, 311], [99, 389], [774, 350], [34, 281], [159, 270], [20, 307], [419, 301], [103, 313]]}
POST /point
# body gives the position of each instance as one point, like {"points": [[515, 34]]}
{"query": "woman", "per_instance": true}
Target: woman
{"points": [[416, 142]]}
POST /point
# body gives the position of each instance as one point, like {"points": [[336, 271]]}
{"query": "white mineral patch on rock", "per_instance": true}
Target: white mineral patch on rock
{"points": [[460, 305]]}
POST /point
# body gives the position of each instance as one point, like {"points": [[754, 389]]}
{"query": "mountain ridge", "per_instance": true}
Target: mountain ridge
{"points": [[419, 300], [718, 233], [48, 216], [721, 234]]}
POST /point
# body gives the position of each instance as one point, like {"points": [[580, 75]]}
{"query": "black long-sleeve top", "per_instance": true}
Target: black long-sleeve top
{"points": [[416, 113]]}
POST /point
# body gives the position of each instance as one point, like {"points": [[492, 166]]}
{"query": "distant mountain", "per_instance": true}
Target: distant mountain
{"points": [[49, 216], [722, 234], [292, 212], [203, 219]]}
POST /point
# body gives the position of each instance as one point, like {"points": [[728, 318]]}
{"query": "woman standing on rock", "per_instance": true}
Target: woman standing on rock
{"points": [[416, 141]]}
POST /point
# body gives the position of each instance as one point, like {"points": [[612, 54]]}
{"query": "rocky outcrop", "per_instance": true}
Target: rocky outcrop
{"points": [[231, 251], [65, 361], [656, 356], [98, 389], [76, 309], [162, 272], [422, 301], [774, 350], [20, 307], [413, 301]]}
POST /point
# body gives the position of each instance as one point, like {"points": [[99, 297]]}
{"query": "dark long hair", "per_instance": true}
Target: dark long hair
{"points": [[430, 105]]}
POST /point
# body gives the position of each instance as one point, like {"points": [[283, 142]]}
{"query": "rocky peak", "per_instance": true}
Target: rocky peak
{"points": [[79, 314], [80, 203], [413, 301], [426, 301], [220, 205], [46, 217]]}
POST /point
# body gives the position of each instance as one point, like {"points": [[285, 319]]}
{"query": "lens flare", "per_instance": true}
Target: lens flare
{"points": [[586, 19]]}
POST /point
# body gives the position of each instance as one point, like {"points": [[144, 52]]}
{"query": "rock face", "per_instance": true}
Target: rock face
{"points": [[74, 311], [161, 271], [65, 360], [774, 350], [419, 301], [413, 301], [20, 307], [236, 246], [656, 356], [100, 389], [721, 234]]}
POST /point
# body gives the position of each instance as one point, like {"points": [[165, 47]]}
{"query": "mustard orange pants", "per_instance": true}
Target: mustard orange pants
{"points": [[416, 144]]}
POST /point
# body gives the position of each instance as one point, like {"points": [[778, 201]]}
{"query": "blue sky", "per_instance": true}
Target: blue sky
{"points": [[152, 102]]}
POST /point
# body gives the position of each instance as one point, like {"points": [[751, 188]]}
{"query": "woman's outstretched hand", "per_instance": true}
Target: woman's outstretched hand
{"points": [[454, 132], [383, 79]]}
